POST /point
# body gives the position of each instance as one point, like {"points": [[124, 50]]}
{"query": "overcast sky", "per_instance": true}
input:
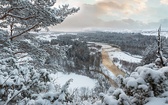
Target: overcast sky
{"points": [[116, 14]]}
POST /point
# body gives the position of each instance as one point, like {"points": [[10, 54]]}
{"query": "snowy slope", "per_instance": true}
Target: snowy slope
{"points": [[124, 56], [79, 81]]}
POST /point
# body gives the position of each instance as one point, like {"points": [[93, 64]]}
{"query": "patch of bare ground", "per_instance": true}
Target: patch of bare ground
{"points": [[106, 61]]}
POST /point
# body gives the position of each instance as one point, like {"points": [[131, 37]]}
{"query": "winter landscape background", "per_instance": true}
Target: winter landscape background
{"points": [[89, 59]]}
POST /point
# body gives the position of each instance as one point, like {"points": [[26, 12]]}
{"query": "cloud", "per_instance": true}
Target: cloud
{"points": [[89, 15], [164, 2], [115, 14], [126, 7], [86, 17], [123, 24]]}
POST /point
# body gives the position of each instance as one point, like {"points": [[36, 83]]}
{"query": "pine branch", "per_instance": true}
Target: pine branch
{"points": [[18, 92], [8, 11], [22, 18], [34, 26]]}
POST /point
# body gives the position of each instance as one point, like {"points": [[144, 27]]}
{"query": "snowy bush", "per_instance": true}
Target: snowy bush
{"points": [[21, 83], [18, 82], [145, 82], [114, 97], [158, 61]]}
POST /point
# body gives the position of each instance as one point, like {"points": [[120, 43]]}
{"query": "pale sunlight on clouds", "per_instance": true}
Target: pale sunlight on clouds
{"points": [[127, 7], [164, 2], [116, 13]]}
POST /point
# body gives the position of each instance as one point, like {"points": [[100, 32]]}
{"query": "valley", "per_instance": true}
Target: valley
{"points": [[83, 64]]}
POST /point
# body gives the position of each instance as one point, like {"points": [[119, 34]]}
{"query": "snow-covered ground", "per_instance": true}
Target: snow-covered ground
{"points": [[79, 81], [157, 101], [124, 56], [117, 53], [50, 35]]}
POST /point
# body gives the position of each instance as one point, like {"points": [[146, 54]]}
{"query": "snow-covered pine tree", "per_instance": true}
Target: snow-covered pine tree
{"points": [[18, 80], [22, 84], [149, 54], [156, 50], [161, 61], [22, 16]]}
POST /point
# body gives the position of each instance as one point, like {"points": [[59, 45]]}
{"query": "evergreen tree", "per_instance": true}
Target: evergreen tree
{"points": [[22, 16]]}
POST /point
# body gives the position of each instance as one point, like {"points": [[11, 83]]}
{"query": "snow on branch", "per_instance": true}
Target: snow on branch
{"points": [[26, 14]]}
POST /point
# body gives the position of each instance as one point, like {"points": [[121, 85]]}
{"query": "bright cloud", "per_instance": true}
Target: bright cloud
{"points": [[164, 2], [126, 7], [115, 13]]}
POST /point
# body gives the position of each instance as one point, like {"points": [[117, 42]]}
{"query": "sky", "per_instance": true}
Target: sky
{"points": [[115, 14]]}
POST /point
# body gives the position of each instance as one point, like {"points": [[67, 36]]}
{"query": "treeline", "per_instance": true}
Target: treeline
{"points": [[134, 43]]}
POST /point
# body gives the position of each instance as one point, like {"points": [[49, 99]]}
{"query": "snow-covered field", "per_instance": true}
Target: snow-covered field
{"points": [[79, 81], [117, 53], [124, 56]]}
